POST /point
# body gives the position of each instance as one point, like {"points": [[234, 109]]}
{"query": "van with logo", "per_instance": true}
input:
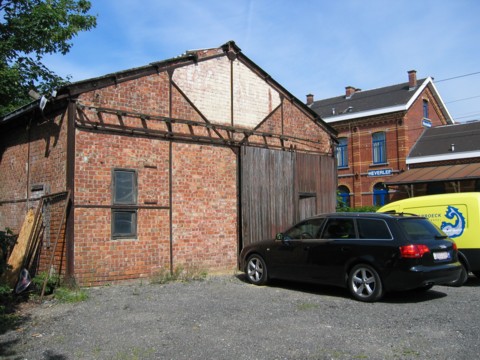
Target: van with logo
{"points": [[457, 215]]}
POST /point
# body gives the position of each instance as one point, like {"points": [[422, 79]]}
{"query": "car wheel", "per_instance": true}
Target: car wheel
{"points": [[364, 283], [462, 279], [256, 270]]}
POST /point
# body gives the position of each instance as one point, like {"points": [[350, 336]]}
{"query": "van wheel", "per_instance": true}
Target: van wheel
{"points": [[364, 283], [462, 279]]}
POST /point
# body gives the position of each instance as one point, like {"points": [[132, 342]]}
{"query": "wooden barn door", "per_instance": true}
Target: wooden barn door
{"points": [[267, 192], [279, 188], [316, 183]]}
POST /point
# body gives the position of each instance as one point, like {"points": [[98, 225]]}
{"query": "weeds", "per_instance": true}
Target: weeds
{"points": [[63, 294], [67, 295], [179, 273], [52, 282]]}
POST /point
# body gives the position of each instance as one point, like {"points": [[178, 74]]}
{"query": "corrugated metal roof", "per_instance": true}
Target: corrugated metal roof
{"points": [[437, 173]]}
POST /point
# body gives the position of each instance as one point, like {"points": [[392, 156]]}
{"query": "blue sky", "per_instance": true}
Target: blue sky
{"points": [[317, 47]]}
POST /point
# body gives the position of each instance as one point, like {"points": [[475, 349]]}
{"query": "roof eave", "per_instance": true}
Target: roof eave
{"points": [[443, 157], [361, 114]]}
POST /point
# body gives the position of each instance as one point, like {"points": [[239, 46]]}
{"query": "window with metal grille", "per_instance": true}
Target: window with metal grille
{"points": [[124, 203]]}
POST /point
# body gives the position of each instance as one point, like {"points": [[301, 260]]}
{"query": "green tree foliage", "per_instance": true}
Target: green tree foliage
{"points": [[29, 30]]}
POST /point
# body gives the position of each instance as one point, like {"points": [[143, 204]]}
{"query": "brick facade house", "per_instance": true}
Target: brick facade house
{"points": [[376, 130], [177, 163], [445, 159]]}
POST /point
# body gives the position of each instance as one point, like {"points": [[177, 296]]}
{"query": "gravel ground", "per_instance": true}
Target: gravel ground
{"points": [[223, 317]]}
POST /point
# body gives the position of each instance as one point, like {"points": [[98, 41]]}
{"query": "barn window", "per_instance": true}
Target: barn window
{"points": [[124, 203]]}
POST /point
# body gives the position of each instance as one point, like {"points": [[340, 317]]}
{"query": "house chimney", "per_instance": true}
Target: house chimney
{"points": [[309, 99], [349, 91], [412, 79]]}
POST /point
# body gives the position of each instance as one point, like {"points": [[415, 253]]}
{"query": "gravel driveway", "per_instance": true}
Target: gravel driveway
{"points": [[223, 317]]}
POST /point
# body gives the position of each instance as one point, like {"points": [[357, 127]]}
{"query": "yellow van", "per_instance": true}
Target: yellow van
{"points": [[458, 215]]}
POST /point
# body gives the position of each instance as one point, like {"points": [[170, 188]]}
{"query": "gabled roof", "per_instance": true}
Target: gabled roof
{"points": [[449, 142], [375, 102], [194, 56]]}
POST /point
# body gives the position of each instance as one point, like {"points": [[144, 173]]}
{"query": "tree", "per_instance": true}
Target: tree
{"points": [[29, 30]]}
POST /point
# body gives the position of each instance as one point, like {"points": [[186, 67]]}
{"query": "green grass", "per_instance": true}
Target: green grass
{"points": [[67, 295]]}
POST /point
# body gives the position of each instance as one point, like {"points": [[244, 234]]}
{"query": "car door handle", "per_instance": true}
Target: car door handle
{"points": [[306, 248], [345, 249]]}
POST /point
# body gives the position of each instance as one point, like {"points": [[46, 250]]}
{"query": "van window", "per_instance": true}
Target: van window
{"points": [[373, 229]]}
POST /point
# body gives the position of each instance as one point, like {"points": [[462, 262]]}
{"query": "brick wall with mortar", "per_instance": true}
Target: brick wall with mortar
{"points": [[204, 196], [98, 257], [204, 206], [34, 157], [402, 131]]}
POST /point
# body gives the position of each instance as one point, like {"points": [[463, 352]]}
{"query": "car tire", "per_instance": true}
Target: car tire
{"points": [[256, 270], [462, 279], [364, 283]]}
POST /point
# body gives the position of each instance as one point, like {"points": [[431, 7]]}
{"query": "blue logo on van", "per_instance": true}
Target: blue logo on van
{"points": [[456, 228]]}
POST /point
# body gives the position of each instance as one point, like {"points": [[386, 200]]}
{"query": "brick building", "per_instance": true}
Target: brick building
{"points": [[376, 130], [445, 159], [177, 163]]}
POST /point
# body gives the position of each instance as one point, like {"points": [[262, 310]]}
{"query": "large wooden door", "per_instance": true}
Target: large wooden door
{"points": [[279, 188]]}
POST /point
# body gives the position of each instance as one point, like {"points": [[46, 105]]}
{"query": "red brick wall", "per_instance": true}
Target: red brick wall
{"points": [[402, 131], [204, 206], [36, 157], [196, 214], [13, 170], [98, 257], [204, 197]]}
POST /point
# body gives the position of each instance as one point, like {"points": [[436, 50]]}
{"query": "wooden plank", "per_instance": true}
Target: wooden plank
{"points": [[20, 249]]}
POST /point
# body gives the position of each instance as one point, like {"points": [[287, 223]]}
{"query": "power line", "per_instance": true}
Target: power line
{"points": [[468, 98], [457, 77], [467, 116]]}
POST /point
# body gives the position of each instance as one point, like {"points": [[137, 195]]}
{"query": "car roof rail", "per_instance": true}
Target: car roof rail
{"points": [[401, 213]]}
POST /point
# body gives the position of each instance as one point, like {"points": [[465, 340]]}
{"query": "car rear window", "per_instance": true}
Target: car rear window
{"points": [[419, 229], [373, 229]]}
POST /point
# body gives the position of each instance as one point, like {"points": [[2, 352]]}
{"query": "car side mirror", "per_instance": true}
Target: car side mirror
{"points": [[280, 236]]}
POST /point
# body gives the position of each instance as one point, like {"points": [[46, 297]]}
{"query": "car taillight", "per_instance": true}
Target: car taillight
{"points": [[413, 251], [455, 248]]}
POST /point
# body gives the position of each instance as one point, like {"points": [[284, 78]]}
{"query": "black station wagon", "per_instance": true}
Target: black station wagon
{"points": [[368, 253]]}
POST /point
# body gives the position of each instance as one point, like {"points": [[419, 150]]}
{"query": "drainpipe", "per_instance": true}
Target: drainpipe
{"points": [[28, 163], [70, 185]]}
